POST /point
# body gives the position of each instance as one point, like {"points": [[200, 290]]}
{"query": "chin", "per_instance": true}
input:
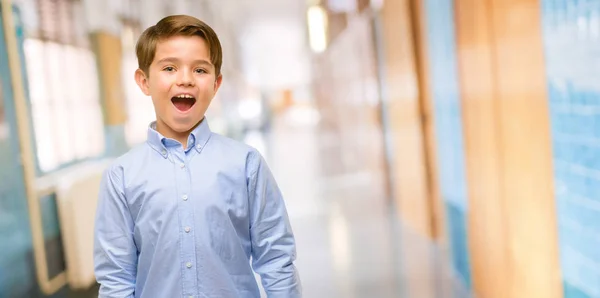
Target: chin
{"points": [[183, 125], [181, 128]]}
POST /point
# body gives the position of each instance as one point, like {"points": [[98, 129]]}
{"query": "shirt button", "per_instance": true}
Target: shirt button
{"points": [[182, 165], [188, 264], [198, 147], [187, 229], [185, 197]]}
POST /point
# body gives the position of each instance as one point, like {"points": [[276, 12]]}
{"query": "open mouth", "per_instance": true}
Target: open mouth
{"points": [[183, 102]]}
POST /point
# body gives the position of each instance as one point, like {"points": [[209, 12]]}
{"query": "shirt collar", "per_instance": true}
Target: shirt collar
{"points": [[198, 138]]}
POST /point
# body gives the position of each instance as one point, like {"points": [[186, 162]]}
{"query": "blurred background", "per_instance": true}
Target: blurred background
{"points": [[425, 148]]}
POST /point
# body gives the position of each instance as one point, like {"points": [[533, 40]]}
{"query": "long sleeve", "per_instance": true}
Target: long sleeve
{"points": [[273, 244], [115, 252]]}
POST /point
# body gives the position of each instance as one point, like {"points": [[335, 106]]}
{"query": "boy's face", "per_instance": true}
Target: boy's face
{"points": [[181, 81]]}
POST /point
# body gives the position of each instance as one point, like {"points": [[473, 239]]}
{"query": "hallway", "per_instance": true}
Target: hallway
{"points": [[422, 146], [350, 243]]}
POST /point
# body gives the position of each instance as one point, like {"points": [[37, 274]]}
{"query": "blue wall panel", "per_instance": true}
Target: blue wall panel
{"points": [[448, 127], [16, 270], [17, 266], [572, 50]]}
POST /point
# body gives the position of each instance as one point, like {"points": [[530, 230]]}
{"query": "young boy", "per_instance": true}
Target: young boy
{"points": [[182, 214]]}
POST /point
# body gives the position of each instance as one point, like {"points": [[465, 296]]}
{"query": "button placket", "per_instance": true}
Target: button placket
{"points": [[186, 236]]}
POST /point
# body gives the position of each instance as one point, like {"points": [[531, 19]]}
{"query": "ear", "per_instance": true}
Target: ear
{"points": [[218, 82], [142, 81]]}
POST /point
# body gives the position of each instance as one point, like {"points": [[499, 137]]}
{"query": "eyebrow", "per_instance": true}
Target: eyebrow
{"points": [[175, 60]]}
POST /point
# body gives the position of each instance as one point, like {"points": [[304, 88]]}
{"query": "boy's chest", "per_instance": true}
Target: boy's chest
{"points": [[174, 192]]}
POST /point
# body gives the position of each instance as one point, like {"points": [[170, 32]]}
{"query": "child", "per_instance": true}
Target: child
{"points": [[182, 214]]}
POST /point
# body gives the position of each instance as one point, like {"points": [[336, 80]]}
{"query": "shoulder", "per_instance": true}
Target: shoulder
{"points": [[221, 142], [234, 152], [131, 159]]}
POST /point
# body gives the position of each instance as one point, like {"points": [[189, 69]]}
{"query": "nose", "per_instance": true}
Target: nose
{"points": [[185, 78]]}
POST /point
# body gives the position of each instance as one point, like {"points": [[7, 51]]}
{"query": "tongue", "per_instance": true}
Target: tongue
{"points": [[183, 104]]}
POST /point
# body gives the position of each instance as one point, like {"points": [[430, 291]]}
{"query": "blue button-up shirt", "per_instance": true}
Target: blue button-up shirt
{"points": [[175, 222]]}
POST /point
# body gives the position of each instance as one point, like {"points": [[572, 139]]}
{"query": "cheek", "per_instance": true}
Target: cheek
{"points": [[207, 86], [163, 83]]}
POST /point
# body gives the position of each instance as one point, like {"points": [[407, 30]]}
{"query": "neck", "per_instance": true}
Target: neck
{"points": [[181, 137]]}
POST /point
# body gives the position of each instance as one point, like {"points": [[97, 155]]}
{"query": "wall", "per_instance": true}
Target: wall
{"points": [[406, 132], [512, 217], [16, 261], [443, 76], [17, 267], [410, 133], [347, 98], [571, 44], [476, 78]]}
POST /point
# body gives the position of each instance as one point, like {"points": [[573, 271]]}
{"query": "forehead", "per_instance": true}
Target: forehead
{"points": [[182, 48]]}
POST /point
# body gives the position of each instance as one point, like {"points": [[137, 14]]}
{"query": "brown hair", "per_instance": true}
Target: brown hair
{"points": [[177, 25]]}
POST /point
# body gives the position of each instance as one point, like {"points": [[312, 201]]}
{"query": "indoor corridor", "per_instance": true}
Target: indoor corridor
{"points": [[424, 148], [350, 243]]}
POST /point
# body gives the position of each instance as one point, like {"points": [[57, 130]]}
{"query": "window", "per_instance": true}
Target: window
{"points": [[139, 106], [63, 89]]}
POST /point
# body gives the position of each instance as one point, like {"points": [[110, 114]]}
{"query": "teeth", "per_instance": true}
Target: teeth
{"points": [[184, 96]]}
